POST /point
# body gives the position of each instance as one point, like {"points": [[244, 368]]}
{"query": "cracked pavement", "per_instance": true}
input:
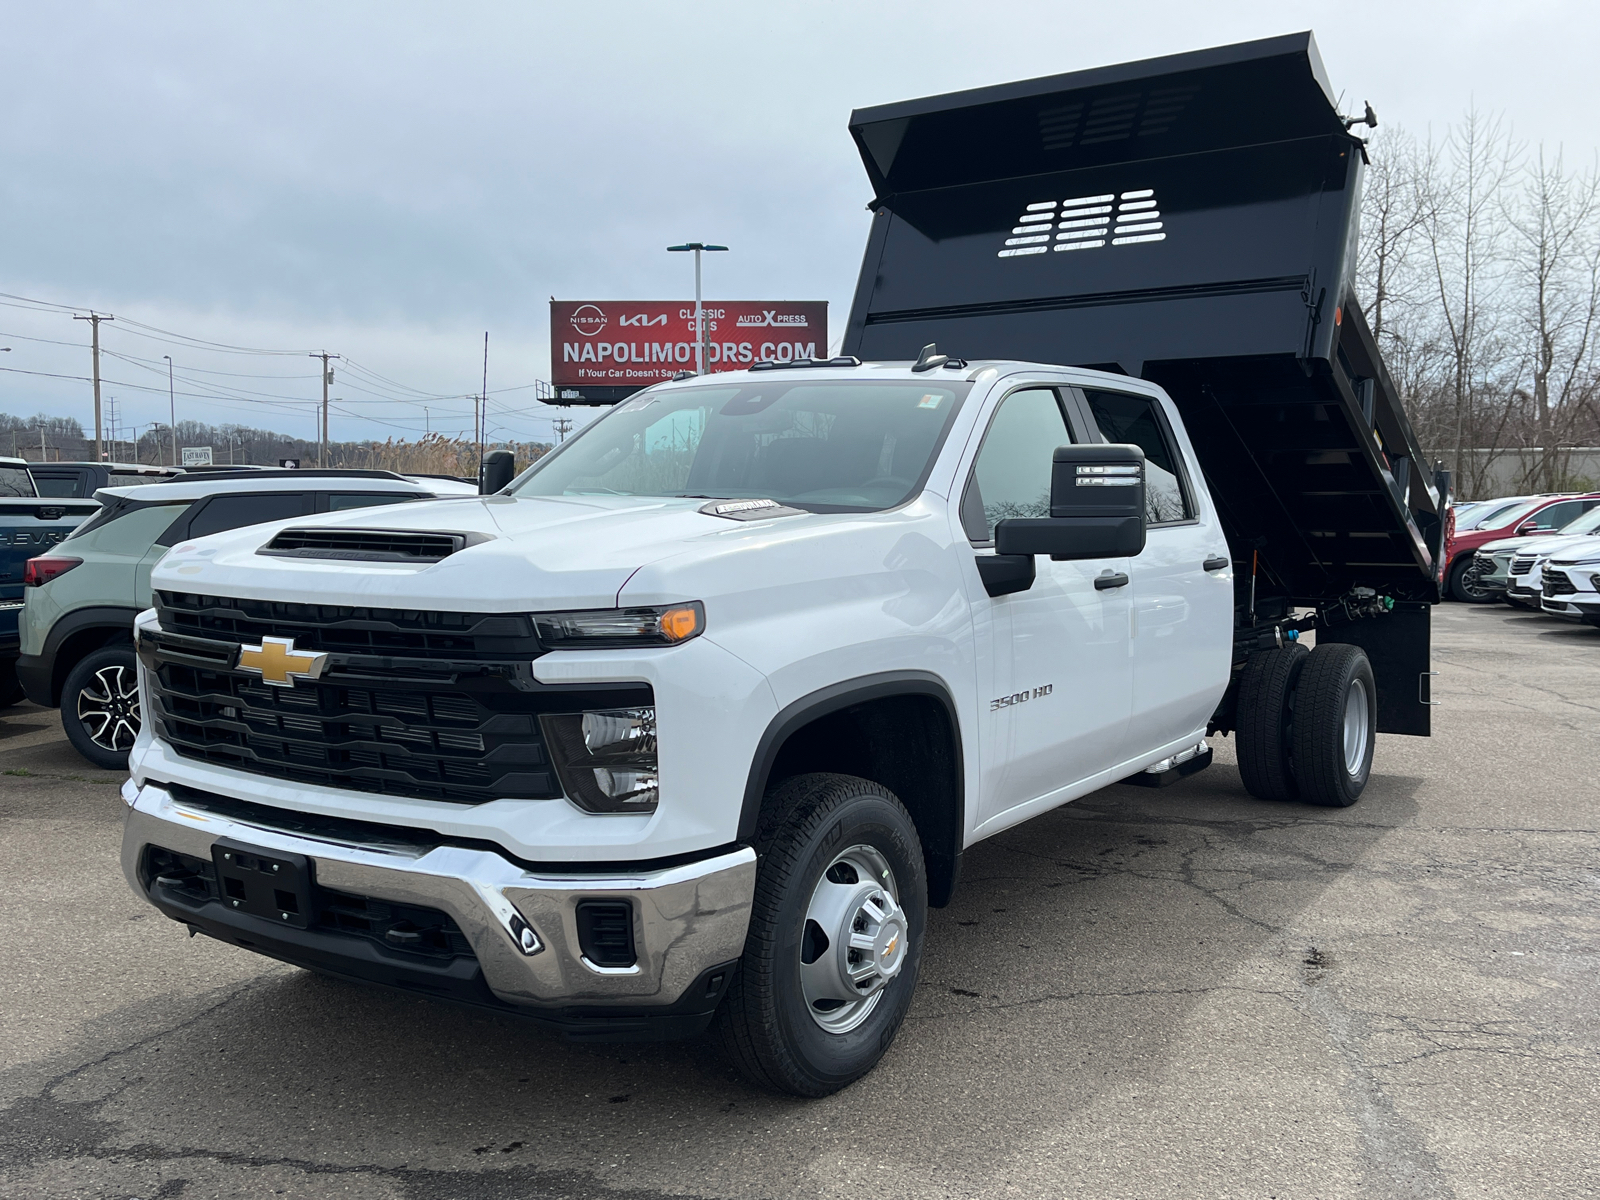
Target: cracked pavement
{"points": [[1182, 992]]}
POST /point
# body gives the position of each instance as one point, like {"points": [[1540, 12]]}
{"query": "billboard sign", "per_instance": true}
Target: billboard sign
{"points": [[197, 456], [633, 343]]}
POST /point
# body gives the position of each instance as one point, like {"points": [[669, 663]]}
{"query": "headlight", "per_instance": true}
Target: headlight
{"points": [[598, 628], [606, 758]]}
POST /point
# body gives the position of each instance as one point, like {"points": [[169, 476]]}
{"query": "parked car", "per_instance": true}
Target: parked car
{"points": [[1539, 515], [29, 525], [76, 627], [1504, 565], [81, 480], [1571, 585]]}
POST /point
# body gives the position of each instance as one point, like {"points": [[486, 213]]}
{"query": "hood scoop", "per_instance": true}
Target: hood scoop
{"points": [[370, 545], [749, 510]]}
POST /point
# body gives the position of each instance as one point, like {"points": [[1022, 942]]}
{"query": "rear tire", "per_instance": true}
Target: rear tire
{"points": [[1335, 724], [841, 866], [100, 706], [1463, 582], [1265, 711]]}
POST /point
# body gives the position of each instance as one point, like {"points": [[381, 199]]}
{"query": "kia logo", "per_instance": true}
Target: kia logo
{"points": [[588, 320]]}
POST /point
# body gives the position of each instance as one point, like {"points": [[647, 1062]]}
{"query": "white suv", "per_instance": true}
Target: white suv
{"points": [[1571, 585]]}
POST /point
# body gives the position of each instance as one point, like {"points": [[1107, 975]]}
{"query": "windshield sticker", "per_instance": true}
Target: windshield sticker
{"points": [[930, 401], [1086, 223]]}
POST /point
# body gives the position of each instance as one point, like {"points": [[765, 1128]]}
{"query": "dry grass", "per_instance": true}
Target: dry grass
{"points": [[434, 454]]}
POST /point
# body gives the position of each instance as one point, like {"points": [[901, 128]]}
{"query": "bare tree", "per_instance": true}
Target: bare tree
{"points": [[1557, 269]]}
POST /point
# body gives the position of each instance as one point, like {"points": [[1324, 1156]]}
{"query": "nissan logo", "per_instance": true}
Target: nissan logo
{"points": [[588, 320]]}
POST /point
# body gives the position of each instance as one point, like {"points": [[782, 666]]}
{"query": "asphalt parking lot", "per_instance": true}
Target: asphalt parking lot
{"points": [[1182, 992]]}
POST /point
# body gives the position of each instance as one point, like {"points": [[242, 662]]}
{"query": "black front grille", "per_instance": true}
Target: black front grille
{"points": [[399, 928], [387, 631], [1521, 566], [433, 724], [365, 545], [1556, 583]]}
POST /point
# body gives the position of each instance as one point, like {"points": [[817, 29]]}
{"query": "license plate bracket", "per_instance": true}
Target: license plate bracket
{"points": [[271, 884]]}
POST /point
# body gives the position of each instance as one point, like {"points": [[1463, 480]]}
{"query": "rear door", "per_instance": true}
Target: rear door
{"points": [[1055, 704], [1182, 589]]}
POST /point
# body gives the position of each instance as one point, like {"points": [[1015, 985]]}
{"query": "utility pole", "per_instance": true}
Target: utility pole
{"points": [[327, 378], [172, 411], [94, 320], [701, 351], [483, 425], [563, 427]]}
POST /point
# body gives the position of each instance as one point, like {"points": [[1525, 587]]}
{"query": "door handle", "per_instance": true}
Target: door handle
{"points": [[1110, 580], [1216, 563]]}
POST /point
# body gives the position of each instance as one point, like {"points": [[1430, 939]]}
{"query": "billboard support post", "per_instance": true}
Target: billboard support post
{"points": [[701, 352]]}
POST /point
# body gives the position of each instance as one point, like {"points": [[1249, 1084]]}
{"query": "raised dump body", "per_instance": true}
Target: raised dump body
{"points": [[1191, 220]]}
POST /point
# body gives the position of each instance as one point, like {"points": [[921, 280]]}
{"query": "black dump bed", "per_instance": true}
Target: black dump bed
{"points": [[1191, 220]]}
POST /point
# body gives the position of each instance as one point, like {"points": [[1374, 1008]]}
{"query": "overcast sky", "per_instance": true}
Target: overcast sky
{"points": [[388, 181]]}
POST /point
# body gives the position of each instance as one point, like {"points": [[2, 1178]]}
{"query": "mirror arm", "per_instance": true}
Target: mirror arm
{"points": [[1003, 574]]}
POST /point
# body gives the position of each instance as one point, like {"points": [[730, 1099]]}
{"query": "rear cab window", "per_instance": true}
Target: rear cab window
{"points": [[15, 483], [1128, 418]]}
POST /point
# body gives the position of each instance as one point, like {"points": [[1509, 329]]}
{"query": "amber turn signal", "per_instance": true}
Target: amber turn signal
{"points": [[679, 624]]}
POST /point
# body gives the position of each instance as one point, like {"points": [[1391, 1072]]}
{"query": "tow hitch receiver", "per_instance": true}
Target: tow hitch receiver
{"points": [[264, 883]]}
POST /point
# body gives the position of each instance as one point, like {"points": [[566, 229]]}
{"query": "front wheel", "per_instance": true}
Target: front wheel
{"points": [[835, 937], [1464, 581], [100, 706]]}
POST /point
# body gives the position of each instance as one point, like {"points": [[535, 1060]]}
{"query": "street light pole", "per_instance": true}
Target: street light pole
{"points": [[701, 353], [172, 410]]}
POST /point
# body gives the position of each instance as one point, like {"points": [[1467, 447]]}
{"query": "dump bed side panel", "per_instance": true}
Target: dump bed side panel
{"points": [[1191, 221]]}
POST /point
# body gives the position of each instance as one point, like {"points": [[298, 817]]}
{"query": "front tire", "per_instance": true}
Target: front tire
{"points": [[835, 939], [10, 688], [100, 706], [1335, 725], [1464, 585]]}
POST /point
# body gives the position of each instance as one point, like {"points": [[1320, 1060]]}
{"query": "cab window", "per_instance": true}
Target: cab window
{"points": [[339, 501], [1011, 477], [222, 513], [1126, 418]]}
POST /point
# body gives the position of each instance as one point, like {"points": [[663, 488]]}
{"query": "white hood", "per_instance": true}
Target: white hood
{"points": [[541, 553], [1539, 544]]}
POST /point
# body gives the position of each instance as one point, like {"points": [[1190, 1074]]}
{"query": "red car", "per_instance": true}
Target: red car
{"points": [[1535, 514]]}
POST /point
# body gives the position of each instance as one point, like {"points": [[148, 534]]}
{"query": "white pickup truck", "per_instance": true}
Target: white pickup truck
{"points": [[695, 719], [709, 702]]}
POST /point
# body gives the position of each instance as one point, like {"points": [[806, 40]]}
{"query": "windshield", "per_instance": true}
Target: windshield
{"points": [[1496, 515], [14, 481], [824, 446], [1588, 523]]}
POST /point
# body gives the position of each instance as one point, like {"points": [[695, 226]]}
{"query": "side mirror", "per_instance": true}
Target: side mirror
{"points": [[499, 468], [1096, 507]]}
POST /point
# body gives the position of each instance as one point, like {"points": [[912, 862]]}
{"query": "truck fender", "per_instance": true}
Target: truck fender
{"points": [[940, 820]]}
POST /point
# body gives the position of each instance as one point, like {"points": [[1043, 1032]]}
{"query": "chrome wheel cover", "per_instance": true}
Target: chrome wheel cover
{"points": [[1357, 722], [854, 941], [108, 708]]}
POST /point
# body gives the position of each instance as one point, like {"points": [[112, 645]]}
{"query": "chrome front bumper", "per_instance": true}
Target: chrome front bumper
{"points": [[521, 923]]}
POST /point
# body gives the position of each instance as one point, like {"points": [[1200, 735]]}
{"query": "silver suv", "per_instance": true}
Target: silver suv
{"points": [[81, 599]]}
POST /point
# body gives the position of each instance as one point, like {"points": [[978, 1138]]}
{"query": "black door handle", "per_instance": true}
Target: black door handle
{"points": [[1105, 582], [1217, 563]]}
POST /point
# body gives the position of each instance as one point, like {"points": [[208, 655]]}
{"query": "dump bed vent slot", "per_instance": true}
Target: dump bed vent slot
{"points": [[367, 545]]}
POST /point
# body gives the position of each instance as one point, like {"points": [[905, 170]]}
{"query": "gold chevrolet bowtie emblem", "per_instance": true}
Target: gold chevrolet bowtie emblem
{"points": [[279, 663]]}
